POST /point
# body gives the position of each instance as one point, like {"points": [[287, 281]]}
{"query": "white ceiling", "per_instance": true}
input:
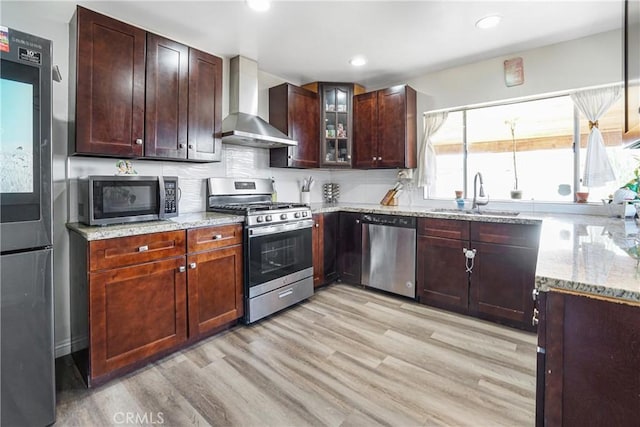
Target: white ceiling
{"points": [[313, 40]]}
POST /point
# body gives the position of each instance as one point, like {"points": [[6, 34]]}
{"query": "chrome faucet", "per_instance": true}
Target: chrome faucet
{"points": [[477, 203]]}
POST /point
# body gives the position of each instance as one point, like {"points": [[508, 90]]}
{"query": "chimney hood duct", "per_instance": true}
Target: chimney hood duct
{"points": [[243, 126]]}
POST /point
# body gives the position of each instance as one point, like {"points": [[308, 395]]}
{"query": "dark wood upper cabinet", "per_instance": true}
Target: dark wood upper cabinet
{"points": [[108, 86], [167, 99], [365, 112], [205, 106], [294, 111], [385, 132], [135, 94]]}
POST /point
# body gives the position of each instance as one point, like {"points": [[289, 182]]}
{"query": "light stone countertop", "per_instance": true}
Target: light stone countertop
{"points": [[592, 255], [181, 222]]}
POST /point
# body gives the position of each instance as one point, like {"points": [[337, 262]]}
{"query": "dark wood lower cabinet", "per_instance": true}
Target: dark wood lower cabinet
{"points": [[442, 276], [330, 237], [324, 241], [135, 299], [215, 289], [136, 312], [501, 283], [350, 247], [592, 366], [502, 273]]}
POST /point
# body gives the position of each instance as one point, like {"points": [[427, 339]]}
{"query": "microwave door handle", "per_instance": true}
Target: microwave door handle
{"points": [[161, 195]]}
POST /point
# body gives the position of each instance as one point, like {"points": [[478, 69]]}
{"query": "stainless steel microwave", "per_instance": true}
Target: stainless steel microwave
{"points": [[104, 200]]}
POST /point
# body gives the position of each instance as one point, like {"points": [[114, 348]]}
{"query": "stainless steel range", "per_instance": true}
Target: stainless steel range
{"points": [[278, 253]]}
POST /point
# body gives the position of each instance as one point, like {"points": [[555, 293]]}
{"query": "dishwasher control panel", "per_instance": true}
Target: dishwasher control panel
{"points": [[390, 220]]}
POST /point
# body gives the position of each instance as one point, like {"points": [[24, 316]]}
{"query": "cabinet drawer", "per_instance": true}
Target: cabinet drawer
{"points": [[123, 251], [526, 235], [445, 228], [206, 238]]}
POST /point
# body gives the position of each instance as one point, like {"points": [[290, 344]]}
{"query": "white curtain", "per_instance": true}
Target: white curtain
{"points": [[593, 103], [427, 167]]}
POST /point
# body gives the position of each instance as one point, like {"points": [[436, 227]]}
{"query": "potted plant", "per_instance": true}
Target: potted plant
{"points": [[516, 193]]}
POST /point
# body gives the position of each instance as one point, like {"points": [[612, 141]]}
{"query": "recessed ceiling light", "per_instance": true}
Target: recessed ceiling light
{"points": [[488, 22], [259, 5], [358, 61]]}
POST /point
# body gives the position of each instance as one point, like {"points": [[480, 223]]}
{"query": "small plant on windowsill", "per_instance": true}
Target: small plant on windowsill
{"points": [[516, 193]]}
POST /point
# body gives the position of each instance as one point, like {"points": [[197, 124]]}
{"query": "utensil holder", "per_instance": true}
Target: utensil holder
{"points": [[305, 197]]}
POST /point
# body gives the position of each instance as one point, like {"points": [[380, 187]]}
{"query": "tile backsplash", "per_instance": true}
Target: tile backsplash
{"points": [[238, 162]]}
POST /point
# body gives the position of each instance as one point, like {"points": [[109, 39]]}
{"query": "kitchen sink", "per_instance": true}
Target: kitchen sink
{"points": [[484, 212]]}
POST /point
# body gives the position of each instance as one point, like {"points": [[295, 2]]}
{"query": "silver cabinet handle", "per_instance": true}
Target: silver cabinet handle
{"points": [[379, 158], [349, 157], [534, 294], [139, 141], [285, 293], [217, 237], [357, 221], [190, 146], [143, 248], [192, 265], [534, 319], [182, 269], [317, 225], [181, 145], [374, 158]]}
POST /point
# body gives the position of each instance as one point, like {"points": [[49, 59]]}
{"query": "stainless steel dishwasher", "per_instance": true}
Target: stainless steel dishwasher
{"points": [[389, 253]]}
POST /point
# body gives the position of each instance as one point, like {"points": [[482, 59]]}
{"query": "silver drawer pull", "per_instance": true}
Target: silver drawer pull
{"points": [[217, 237], [286, 293], [535, 319], [534, 294], [192, 265], [138, 141], [144, 248], [182, 269]]}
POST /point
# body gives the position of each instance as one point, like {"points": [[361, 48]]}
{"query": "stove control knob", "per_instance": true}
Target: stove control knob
{"points": [[304, 214], [283, 216], [260, 218], [296, 215], [268, 218]]}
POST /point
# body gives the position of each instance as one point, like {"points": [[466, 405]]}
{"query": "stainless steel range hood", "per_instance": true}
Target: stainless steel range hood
{"points": [[243, 126]]}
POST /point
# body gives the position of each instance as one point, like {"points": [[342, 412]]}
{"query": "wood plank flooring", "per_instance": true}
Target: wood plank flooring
{"points": [[345, 357]]}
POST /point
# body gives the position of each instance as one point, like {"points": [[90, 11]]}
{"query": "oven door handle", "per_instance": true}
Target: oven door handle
{"points": [[280, 228]]}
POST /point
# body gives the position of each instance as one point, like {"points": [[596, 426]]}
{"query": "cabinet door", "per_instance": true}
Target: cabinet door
{"points": [[167, 98], [365, 132], [215, 289], [350, 247], [136, 312], [442, 277], [592, 360], [392, 127], [330, 237], [109, 86], [205, 107], [317, 243], [501, 284], [295, 111], [335, 124]]}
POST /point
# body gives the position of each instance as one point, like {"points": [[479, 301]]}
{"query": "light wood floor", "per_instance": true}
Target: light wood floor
{"points": [[347, 356]]}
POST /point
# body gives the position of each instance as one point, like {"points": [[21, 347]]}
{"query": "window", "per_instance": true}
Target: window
{"points": [[539, 152]]}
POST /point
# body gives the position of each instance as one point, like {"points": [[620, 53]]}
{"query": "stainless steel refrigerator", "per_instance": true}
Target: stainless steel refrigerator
{"points": [[26, 245]]}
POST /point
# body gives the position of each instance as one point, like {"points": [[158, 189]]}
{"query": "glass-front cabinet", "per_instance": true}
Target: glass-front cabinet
{"points": [[336, 123]]}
